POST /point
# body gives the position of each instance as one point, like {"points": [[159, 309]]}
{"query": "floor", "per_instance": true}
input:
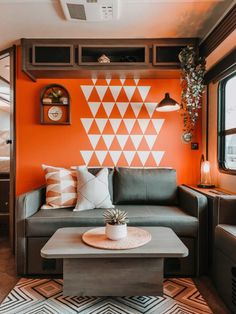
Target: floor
{"points": [[9, 279], [7, 268]]}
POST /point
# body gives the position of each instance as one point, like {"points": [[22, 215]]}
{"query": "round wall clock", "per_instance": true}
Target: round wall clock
{"points": [[55, 113]]}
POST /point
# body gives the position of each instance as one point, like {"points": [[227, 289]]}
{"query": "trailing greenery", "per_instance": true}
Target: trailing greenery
{"points": [[115, 217], [192, 82]]}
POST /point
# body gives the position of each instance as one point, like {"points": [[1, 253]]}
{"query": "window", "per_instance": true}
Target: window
{"points": [[227, 124]]}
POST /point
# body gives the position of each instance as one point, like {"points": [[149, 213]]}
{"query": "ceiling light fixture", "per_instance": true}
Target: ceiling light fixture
{"points": [[167, 104]]}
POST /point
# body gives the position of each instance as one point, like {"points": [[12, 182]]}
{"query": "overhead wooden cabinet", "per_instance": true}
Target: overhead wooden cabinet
{"points": [[82, 58]]}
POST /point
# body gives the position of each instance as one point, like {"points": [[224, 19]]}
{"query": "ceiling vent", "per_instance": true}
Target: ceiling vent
{"points": [[90, 10]]}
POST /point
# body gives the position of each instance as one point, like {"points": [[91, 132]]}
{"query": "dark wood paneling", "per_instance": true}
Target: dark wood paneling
{"points": [[226, 26], [224, 67]]}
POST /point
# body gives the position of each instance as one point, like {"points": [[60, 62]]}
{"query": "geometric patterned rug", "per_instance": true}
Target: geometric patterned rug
{"points": [[44, 296]]}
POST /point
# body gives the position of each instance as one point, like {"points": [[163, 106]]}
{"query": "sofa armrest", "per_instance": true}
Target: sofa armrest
{"points": [[30, 202], [192, 202], [196, 204], [27, 204], [226, 210]]}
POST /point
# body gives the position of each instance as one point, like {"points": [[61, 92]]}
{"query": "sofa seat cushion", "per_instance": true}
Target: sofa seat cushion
{"points": [[225, 240], [46, 222]]}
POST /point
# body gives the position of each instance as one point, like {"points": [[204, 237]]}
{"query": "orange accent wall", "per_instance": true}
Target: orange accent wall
{"points": [[62, 145]]}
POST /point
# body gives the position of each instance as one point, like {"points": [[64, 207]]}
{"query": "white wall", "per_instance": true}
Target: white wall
{"points": [[222, 180]]}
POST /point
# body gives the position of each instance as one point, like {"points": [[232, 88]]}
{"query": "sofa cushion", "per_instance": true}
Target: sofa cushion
{"points": [[60, 187], [225, 240], [94, 171], [46, 222], [92, 190], [144, 186]]}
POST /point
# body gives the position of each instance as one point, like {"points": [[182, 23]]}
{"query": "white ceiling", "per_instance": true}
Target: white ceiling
{"points": [[138, 19]]}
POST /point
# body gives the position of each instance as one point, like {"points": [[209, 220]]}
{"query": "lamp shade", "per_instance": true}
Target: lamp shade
{"points": [[167, 104], [205, 174]]}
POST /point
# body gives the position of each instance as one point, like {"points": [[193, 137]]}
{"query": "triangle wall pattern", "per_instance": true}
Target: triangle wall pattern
{"points": [[126, 136]]}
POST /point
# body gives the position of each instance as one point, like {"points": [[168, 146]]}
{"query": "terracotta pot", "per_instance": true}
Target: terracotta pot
{"points": [[116, 232]]}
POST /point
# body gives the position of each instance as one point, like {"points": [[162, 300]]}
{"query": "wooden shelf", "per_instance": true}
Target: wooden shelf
{"points": [[4, 214], [164, 55], [53, 55], [55, 112], [78, 58], [118, 55]]}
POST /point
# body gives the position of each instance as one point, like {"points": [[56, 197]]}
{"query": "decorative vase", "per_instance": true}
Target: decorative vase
{"points": [[116, 232]]}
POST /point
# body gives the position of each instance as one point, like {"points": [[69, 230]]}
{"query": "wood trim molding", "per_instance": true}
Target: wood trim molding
{"points": [[226, 26], [224, 67], [11, 52]]}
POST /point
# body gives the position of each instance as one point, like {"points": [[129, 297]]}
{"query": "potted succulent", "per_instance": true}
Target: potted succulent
{"points": [[116, 224]]}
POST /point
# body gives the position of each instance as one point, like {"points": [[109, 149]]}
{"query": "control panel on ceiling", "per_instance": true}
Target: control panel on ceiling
{"points": [[91, 10]]}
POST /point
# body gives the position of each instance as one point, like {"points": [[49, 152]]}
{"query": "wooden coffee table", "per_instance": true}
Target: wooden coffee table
{"points": [[88, 271]]}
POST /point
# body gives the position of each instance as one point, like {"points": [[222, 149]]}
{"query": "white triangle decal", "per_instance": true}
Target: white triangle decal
{"points": [[94, 106], [122, 81], [122, 107], [94, 138], [101, 90], [115, 155], [157, 123], [150, 139], [150, 106], [143, 156], [94, 81], [115, 123], [101, 123], [108, 139], [143, 123], [143, 90], [129, 156], [129, 90], [101, 155], [136, 81], [108, 81], [122, 139], [87, 122], [129, 123], [108, 106], [115, 90], [86, 154], [87, 90], [136, 139], [157, 155], [136, 106]]}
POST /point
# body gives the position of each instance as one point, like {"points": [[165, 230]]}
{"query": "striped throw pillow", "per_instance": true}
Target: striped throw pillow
{"points": [[61, 186]]}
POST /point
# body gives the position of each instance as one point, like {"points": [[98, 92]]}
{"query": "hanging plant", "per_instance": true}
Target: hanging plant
{"points": [[192, 82]]}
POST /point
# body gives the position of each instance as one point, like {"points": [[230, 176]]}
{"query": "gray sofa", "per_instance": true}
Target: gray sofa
{"points": [[224, 262], [151, 198]]}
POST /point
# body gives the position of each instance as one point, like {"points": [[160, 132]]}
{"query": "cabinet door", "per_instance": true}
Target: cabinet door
{"points": [[4, 195]]}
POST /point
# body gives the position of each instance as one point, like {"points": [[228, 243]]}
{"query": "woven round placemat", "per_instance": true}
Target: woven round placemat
{"points": [[135, 237]]}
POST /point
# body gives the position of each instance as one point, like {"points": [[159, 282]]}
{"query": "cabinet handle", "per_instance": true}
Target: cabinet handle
{"points": [[8, 141]]}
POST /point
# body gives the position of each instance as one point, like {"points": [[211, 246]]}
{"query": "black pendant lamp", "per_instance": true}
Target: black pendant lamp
{"points": [[167, 104]]}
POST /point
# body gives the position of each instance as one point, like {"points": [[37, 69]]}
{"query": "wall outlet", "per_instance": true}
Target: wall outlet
{"points": [[194, 146]]}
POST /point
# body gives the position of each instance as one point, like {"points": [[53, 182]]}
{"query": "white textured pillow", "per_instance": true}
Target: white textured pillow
{"points": [[92, 190]]}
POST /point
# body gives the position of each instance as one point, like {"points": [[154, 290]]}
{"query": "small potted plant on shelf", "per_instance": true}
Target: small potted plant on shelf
{"points": [[116, 224]]}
